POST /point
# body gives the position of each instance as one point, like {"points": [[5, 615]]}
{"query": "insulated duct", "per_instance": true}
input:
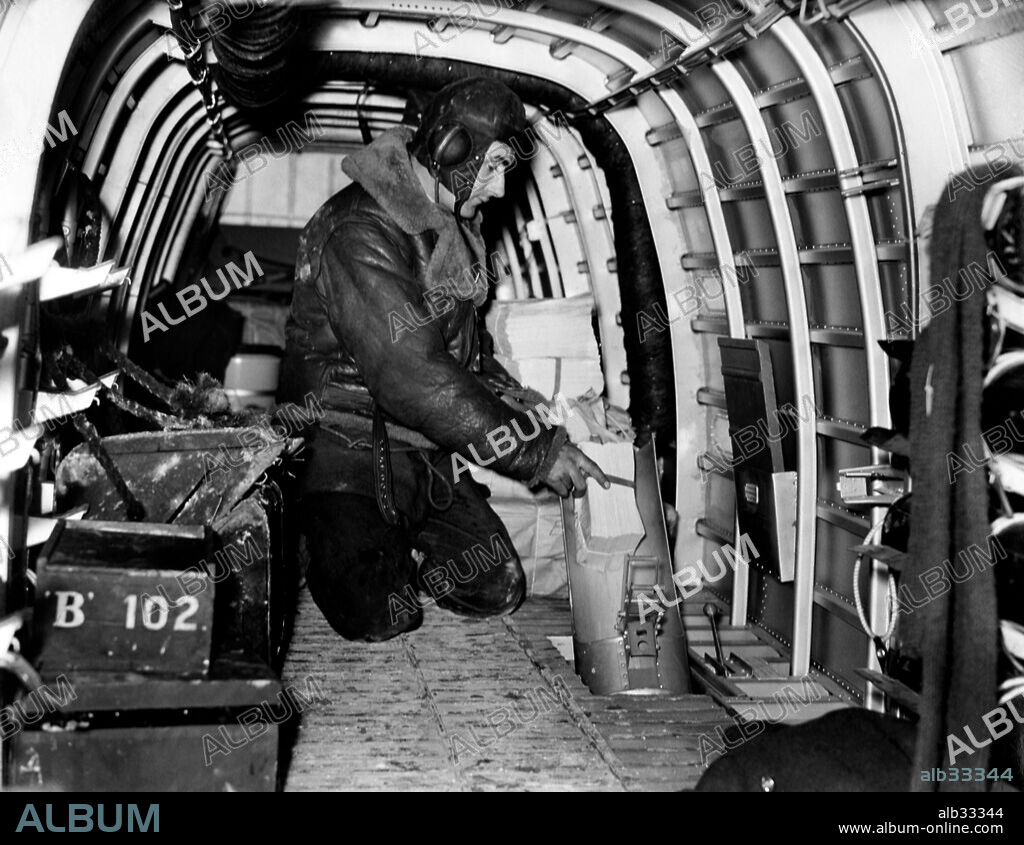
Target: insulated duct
{"points": [[254, 52]]}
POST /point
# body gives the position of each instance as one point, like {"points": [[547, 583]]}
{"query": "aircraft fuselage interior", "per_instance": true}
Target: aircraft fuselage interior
{"points": [[512, 395]]}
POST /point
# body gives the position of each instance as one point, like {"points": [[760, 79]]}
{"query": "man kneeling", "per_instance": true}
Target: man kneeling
{"points": [[383, 329]]}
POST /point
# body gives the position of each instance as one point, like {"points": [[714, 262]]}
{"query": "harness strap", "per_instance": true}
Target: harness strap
{"points": [[383, 484]]}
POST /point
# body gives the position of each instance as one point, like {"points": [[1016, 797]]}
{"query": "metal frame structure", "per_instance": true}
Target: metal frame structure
{"points": [[147, 141]]}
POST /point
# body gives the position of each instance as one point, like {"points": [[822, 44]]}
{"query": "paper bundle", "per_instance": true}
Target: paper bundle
{"points": [[549, 345], [551, 376], [501, 486], [608, 519], [535, 528], [534, 523], [544, 328]]}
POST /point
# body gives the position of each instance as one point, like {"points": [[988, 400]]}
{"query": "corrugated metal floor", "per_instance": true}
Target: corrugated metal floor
{"points": [[465, 705]]}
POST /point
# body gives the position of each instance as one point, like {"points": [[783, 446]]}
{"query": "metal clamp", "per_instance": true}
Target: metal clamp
{"points": [[875, 485]]}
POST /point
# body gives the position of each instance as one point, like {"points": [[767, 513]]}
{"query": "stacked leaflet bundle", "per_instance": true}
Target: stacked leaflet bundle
{"points": [[548, 344], [609, 520]]}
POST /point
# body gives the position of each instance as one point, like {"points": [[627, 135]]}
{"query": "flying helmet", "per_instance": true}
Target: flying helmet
{"points": [[458, 125]]}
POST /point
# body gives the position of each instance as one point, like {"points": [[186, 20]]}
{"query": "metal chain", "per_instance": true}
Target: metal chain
{"points": [[195, 61]]}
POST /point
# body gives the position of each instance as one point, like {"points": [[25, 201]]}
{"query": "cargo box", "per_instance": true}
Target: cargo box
{"points": [[115, 596]]}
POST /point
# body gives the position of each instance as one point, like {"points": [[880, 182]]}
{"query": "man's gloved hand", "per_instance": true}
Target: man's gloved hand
{"points": [[570, 471]]}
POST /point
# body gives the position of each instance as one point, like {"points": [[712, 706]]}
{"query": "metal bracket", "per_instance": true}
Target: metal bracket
{"points": [[825, 10], [876, 485], [870, 176], [631, 617], [740, 667], [641, 639]]}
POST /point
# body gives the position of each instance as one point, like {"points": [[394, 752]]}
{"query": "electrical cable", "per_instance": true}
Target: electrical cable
{"points": [[893, 609]]}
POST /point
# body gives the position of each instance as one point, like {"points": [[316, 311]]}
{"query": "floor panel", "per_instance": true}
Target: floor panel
{"points": [[465, 705]]}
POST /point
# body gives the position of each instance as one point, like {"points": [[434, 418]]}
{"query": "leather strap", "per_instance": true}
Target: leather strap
{"points": [[383, 486]]}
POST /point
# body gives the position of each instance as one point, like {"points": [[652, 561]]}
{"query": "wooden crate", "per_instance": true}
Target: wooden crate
{"points": [[125, 732], [184, 477], [144, 759], [254, 585], [216, 478], [116, 596]]}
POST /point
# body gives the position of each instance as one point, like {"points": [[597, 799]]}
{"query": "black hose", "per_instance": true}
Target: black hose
{"points": [[254, 54]]}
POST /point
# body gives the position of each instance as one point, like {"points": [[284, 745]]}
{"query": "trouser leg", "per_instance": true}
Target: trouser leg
{"points": [[472, 567], [360, 568]]}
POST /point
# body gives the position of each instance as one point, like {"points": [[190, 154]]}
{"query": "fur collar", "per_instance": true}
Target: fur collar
{"points": [[384, 171]]}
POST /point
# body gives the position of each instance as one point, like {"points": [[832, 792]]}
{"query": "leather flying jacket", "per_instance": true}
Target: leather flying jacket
{"points": [[382, 312]]}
